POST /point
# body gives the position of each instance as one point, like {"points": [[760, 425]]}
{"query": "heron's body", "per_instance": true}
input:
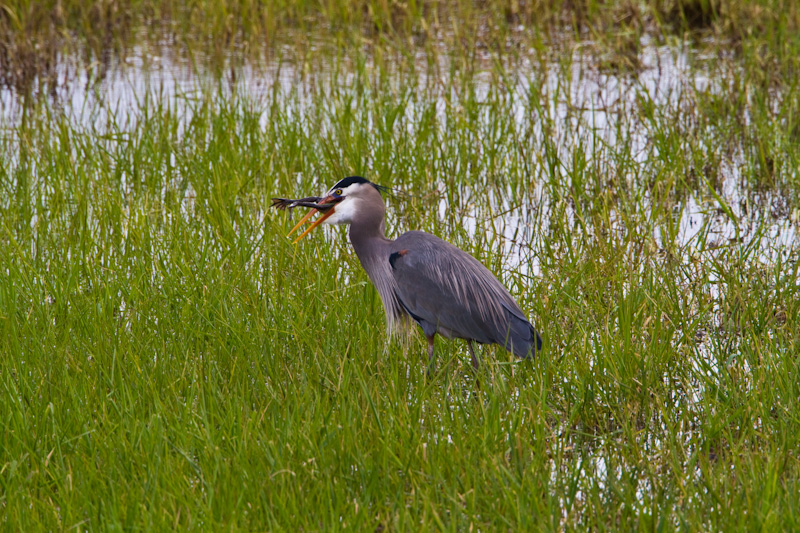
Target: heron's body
{"points": [[423, 278]]}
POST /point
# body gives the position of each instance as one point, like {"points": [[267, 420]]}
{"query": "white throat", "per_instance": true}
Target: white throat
{"points": [[343, 212]]}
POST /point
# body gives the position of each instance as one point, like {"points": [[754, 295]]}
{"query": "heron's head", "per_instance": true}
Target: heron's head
{"points": [[351, 199]]}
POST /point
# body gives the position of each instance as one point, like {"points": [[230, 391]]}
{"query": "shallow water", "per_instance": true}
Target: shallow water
{"points": [[585, 105]]}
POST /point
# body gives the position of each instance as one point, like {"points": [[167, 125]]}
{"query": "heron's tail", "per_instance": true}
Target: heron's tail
{"points": [[522, 339]]}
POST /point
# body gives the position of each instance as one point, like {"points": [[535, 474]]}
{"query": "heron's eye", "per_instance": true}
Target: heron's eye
{"points": [[337, 192]]}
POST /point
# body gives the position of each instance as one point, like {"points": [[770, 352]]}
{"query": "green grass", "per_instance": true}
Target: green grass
{"points": [[169, 359], [78, 35]]}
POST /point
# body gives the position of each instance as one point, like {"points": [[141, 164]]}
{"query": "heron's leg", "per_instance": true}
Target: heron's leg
{"points": [[431, 366], [474, 364], [472, 352]]}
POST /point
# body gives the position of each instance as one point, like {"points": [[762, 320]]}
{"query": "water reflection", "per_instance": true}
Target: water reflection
{"points": [[570, 123]]}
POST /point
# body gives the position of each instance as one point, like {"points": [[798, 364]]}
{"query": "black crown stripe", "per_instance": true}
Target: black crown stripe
{"points": [[346, 182]]}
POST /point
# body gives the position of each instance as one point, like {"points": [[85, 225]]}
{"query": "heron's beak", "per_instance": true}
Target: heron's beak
{"points": [[327, 213], [302, 221]]}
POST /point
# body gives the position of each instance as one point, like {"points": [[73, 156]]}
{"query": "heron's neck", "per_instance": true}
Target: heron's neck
{"points": [[373, 250], [368, 238]]}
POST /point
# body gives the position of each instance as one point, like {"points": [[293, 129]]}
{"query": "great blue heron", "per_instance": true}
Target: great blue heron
{"points": [[421, 277]]}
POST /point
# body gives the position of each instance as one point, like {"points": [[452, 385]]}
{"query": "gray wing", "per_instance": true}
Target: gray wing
{"points": [[448, 291]]}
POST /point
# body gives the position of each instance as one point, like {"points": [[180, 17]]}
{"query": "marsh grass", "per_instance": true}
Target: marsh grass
{"points": [[170, 360], [45, 45]]}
